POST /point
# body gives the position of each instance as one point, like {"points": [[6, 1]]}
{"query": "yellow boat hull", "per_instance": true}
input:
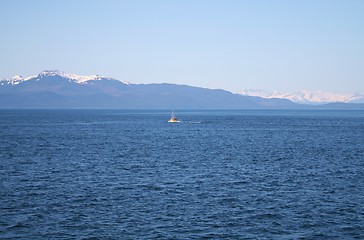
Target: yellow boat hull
{"points": [[173, 120]]}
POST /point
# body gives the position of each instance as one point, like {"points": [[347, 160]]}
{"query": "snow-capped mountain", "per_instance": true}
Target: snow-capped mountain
{"points": [[56, 73], [56, 89], [306, 96]]}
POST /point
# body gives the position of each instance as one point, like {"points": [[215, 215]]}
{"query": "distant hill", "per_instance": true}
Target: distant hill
{"points": [[55, 89], [341, 105], [307, 97]]}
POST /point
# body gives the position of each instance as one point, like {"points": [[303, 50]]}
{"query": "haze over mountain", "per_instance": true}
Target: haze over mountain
{"points": [[56, 89], [307, 96]]}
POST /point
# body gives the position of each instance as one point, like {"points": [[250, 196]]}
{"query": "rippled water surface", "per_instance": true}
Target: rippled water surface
{"points": [[116, 174]]}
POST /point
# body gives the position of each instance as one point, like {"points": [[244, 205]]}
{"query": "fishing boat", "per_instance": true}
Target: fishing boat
{"points": [[173, 118]]}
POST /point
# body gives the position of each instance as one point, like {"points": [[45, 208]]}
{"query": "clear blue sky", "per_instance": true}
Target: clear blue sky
{"points": [[279, 45]]}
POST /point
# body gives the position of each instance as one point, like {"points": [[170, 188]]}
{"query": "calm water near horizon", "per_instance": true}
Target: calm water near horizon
{"points": [[219, 174]]}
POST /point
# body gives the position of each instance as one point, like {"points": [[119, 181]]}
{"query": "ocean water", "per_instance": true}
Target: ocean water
{"points": [[123, 174]]}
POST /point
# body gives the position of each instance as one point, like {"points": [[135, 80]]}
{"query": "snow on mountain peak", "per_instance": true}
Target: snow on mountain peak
{"points": [[73, 77], [80, 79], [51, 73], [17, 78], [306, 96], [12, 81]]}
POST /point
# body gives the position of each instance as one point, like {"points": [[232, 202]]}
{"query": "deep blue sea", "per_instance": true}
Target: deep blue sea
{"points": [[129, 174]]}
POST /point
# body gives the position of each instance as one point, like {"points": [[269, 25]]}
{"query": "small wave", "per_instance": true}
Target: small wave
{"points": [[192, 122], [19, 225]]}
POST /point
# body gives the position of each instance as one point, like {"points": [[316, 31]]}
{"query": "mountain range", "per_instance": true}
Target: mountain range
{"points": [[307, 97], [56, 89]]}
